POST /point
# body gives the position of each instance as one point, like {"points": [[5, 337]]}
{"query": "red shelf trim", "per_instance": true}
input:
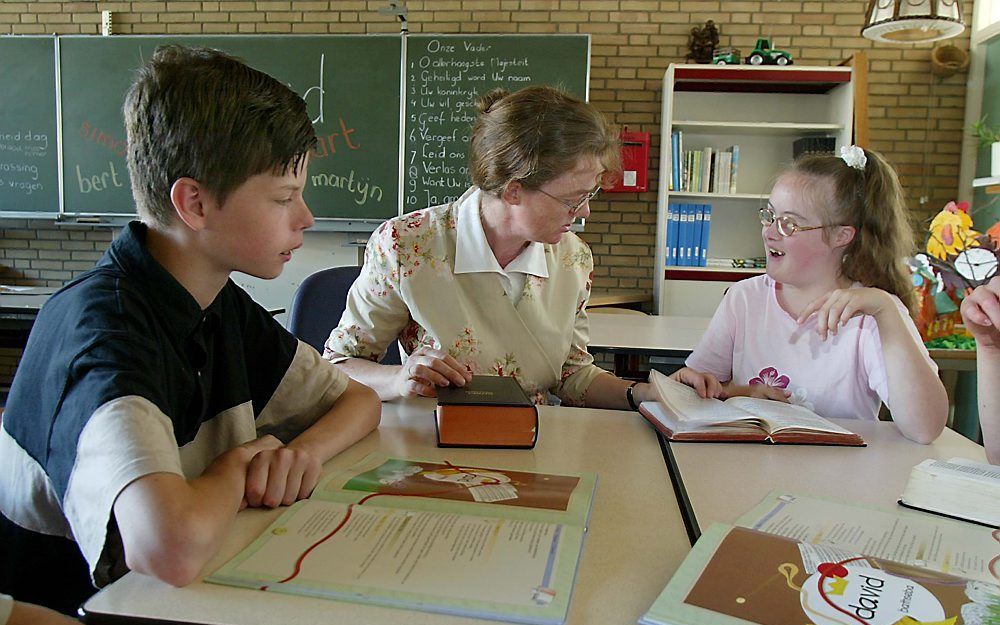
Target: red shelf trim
{"points": [[715, 275], [762, 75]]}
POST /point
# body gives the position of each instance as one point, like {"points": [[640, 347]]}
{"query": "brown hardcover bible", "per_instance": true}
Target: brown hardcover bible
{"points": [[489, 411]]}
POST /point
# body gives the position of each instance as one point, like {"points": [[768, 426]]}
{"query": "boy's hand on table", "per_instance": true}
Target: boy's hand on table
{"points": [[278, 475]]}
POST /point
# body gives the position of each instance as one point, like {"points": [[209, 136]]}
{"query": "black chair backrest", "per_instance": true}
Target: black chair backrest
{"points": [[318, 304]]}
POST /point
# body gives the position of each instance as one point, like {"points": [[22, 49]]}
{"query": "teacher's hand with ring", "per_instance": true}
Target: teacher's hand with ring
{"points": [[428, 368]]}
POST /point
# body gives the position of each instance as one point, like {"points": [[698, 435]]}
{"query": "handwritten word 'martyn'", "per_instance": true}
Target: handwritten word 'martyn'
{"points": [[362, 189]]}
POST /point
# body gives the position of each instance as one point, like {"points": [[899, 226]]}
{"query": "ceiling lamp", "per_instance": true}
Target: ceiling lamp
{"points": [[912, 21]]}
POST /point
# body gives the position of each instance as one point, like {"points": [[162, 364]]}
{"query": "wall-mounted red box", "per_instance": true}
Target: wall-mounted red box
{"points": [[635, 163]]}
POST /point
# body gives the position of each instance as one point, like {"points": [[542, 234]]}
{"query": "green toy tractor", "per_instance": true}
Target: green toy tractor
{"points": [[726, 56], [764, 54]]}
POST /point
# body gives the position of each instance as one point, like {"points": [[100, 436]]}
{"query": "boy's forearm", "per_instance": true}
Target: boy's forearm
{"points": [[355, 413], [988, 390], [171, 527]]}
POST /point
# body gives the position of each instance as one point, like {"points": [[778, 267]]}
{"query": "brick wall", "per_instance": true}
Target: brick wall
{"points": [[916, 118]]}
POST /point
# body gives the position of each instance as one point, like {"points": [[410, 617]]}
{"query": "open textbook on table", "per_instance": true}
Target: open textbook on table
{"points": [[433, 536], [681, 415], [911, 538], [795, 559], [740, 576]]}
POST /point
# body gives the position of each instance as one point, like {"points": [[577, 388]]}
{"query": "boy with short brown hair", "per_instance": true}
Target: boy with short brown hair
{"points": [[155, 399]]}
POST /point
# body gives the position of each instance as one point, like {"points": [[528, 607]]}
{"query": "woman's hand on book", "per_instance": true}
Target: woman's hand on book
{"points": [[428, 368], [839, 306], [705, 384], [981, 314]]}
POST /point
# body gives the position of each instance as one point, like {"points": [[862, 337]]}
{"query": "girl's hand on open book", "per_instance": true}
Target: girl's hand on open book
{"points": [[758, 391], [981, 314], [705, 384], [428, 368], [837, 307]]}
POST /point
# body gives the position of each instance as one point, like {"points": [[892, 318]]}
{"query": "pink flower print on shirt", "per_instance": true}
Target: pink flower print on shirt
{"points": [[769, 376]]}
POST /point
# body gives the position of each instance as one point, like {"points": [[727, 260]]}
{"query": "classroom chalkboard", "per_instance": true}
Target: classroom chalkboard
{"points": [[389, 140], [446, 74], [350, 84], [29, 160]]}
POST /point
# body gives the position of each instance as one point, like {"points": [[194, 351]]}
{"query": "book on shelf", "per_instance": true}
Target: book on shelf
{"points": [[704, 184], [489, 411], [674, 164], [681, 415], [957, 488], [736, 575], [688, 227], [430, 536], [706, 211], [733, 167], [737, 263], [673, 225]]}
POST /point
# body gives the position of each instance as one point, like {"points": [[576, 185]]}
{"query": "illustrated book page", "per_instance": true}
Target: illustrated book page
{"points": [[909, 538], [456, 539], [736, 576]]}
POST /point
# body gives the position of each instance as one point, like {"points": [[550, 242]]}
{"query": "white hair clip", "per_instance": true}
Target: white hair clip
{"points": [[853, 156]]}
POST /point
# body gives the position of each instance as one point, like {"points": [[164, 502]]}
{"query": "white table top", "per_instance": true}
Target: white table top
{"points": [[645, 333], [635, 541], [724, 480]]}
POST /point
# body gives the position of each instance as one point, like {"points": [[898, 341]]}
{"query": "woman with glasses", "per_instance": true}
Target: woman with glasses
{"points": [[493, 283], [827, 327]]}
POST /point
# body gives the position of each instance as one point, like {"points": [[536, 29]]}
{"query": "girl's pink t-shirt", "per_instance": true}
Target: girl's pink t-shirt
{"points": [[752, 340]]}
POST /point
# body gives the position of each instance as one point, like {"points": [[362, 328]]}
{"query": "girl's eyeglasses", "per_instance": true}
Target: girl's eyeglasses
{"points": [[574, 208], [786, 225]]}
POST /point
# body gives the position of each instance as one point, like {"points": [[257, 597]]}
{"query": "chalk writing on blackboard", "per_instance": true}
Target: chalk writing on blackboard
{"points": [[22, 155]]}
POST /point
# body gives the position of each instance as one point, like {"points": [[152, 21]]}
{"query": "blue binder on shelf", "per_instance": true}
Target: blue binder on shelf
{"points": [[673, 214], [706, 225]]}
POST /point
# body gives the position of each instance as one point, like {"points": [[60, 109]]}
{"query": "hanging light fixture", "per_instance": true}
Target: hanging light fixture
{"points": [[912, 21]]}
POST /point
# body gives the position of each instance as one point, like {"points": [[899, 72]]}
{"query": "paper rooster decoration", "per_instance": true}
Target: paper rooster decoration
{"points": [[958, 259]]}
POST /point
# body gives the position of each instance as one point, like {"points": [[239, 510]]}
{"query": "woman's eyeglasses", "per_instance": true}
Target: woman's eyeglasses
{"points": [[786, 225], [574, 208]]}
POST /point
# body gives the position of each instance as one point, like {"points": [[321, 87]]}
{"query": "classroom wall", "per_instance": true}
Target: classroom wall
{"points": [[916, 118]]}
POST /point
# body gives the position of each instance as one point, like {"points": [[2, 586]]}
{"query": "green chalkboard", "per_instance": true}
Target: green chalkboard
{"points": [[29, 161], [446, 74], [350, 82]]}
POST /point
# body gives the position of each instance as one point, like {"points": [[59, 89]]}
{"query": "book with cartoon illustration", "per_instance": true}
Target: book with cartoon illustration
{"points": [[432, 536], [903, 536], [681, 415], [741, 576]]}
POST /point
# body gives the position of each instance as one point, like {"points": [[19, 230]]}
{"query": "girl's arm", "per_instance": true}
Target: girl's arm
{"points": [[916, 396]]}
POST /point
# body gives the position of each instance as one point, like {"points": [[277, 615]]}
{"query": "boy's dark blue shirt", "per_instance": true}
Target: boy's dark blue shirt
{"points": [[124, 375]]}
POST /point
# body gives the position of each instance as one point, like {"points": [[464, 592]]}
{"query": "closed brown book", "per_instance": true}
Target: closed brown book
{"points": [[489, 411]]}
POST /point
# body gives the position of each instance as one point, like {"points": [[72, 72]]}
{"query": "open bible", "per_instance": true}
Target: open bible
{"points": [[681, 415]]}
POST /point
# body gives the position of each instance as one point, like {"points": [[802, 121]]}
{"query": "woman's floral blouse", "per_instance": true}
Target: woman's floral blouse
{"points": [[408, 290]]}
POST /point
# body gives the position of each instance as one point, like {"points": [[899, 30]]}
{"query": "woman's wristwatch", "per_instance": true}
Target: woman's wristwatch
{"points": [[630, 397]]}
